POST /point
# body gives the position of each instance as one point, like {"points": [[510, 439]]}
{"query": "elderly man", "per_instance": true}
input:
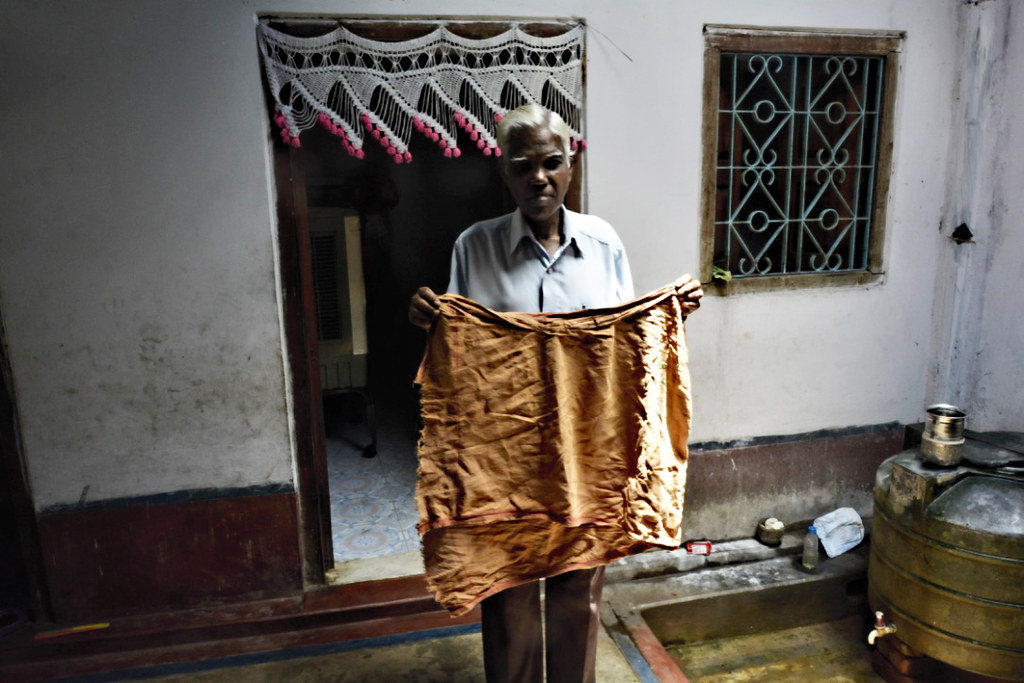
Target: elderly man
{"points": [[540, 258]]}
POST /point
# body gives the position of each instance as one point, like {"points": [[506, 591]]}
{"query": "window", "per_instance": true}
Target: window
{"points": [[797, 140]]}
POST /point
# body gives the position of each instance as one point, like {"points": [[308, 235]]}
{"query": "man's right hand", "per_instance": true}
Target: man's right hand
{"points": [[424, 308]]}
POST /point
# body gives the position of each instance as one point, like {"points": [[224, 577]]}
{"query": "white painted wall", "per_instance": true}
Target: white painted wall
{"points": [[786, 362], [137, 265], [978, 326], [136, 250], [998, 383]]}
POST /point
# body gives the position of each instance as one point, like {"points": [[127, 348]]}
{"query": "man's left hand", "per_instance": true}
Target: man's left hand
{"points": [[690, 293]]}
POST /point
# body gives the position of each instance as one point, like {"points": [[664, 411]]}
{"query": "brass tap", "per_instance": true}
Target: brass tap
{"points": [[881, 628]]}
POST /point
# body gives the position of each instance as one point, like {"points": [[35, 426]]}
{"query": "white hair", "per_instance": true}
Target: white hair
{"points": [[532, 116]]}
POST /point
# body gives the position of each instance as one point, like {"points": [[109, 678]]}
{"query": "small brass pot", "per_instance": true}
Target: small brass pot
{"points": [[943, 440], [769, 536]]}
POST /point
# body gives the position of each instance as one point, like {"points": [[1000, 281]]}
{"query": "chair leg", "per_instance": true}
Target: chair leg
{"points": [[371, 422]]}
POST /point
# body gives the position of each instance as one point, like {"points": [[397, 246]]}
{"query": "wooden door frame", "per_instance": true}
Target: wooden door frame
{"points": [[313, 488], [14, 477]]}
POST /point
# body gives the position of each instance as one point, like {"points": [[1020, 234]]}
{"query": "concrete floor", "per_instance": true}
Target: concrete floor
{"points": [[451, 656], [455, 654]]}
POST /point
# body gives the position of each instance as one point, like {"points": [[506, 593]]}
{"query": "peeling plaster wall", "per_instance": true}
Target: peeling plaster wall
{"points": [[998, 385], [136, 250], [137, 264], [978, 361]]}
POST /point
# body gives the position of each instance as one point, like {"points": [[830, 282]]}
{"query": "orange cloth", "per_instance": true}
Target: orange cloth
{"points": [[550, 442]]}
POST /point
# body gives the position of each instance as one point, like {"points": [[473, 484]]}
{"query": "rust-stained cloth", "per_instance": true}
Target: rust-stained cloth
{"points": [[550, 442]]}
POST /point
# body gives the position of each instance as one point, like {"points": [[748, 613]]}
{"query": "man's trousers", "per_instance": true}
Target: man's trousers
{"points": [[514, 634]]}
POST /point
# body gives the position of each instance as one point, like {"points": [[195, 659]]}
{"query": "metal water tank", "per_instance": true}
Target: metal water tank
{"points": [[947, 554]]}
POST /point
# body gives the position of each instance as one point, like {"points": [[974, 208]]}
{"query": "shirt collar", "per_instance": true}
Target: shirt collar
{"points": [[519, 229]]}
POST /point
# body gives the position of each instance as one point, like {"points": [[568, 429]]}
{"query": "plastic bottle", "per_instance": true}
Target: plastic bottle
{"points": [[810, 559]]}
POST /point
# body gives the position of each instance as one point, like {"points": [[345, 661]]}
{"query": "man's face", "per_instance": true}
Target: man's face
{"points": [[537, 173]]}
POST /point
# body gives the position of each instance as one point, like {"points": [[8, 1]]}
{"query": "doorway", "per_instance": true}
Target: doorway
{"points": [[359, 513], [407, 218], [22, 586]]}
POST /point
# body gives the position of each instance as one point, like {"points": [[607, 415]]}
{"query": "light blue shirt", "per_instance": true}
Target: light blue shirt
{"points": [[500, 264]]}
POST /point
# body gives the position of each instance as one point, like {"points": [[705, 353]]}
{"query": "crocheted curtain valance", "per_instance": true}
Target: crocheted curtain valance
{"points": [[434, 85]]}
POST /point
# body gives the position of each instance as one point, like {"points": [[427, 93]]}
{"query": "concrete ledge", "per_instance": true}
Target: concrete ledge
{"points": [[664, 562], [645, 593]]}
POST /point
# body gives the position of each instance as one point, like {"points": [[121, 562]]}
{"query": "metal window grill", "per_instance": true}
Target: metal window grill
{"points": [[323, 247], [797, 146]]}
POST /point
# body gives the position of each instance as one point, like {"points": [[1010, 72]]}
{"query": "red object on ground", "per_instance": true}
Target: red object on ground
{"points": [[698, 547]]}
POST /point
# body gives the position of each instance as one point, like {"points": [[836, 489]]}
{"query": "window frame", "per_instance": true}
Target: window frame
{"points": [[718, 39]]}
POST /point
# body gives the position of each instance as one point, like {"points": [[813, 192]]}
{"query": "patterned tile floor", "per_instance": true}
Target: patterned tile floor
{"points": [[373, 505]]}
